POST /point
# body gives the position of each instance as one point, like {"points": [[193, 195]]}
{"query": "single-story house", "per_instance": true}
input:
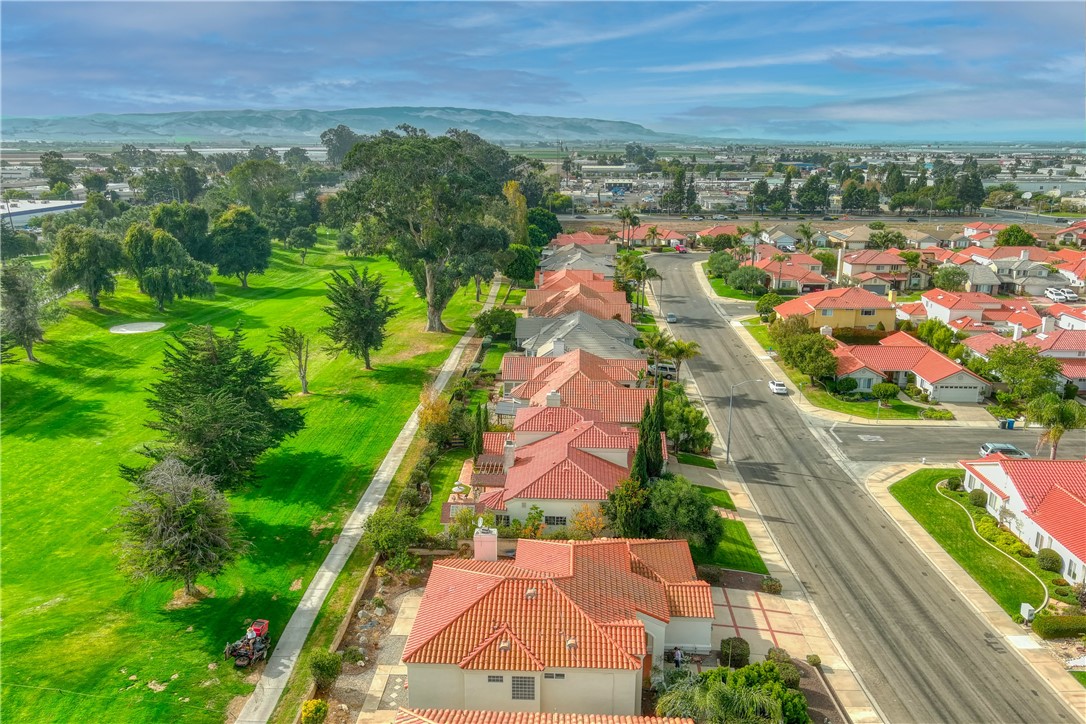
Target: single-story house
{"points": [[554, 336]]}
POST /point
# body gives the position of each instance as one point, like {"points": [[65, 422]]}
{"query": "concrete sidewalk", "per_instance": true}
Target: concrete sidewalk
{"points": [[1024, 644], [258, 709]]}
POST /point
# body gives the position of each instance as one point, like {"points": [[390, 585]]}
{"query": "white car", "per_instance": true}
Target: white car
{"points": [[1069, 295], [777, 387], [1055, 294], [697, 218], [719, 217], [671, 317]]}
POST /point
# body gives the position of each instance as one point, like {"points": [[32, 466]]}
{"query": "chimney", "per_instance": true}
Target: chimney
{"points": [[840, 264], [554, 399], [559, 347], [826, 331], [1018, 331], [1024, 255], [486, 543], [1048, 324], [509, 454]]}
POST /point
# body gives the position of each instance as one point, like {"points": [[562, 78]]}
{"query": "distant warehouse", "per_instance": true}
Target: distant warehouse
{"points": [[21, 212]]}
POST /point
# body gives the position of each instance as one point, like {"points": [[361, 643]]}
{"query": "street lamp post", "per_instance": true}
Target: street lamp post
{"points": [[731, 399]]}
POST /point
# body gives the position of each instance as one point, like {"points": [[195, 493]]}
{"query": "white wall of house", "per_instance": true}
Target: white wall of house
{"points": [[865, 379], [689, 634], [959, 387], [1010, 512], [555, 510], [591, 691], [441, 686], [657, 632], [1066, 321]]}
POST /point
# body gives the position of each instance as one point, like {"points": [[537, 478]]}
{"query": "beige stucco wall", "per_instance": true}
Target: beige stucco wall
{"points": [[852, 318], [690, 633], [592, 691], [436, 686]]}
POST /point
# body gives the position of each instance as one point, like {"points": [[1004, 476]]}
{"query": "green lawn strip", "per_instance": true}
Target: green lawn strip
{"points": [[1004, 580], [1080, 676], [516, 298], [698, 460], [492, 359], [723, 290], [324, 629], [719, 497], [442, 478], [736, 551], [819, 397], [70, 420]]}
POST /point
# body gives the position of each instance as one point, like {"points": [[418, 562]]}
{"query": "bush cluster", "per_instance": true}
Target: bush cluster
{"points": [[1003, 539], [734, 652], [325, 667], [1049, 560], [978, 498], [771, 585], [314, 711], [931, 413], [814, 660], [954, 484], [1058, 627]]}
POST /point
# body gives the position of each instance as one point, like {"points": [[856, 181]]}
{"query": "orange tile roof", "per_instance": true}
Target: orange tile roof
{"points": [[732, 229], [578, 298], [575, 362], [961, 300], [840, 298], [566, 278], [788, 270], [921, 360], [581, 237], [455, 716], [569, 604]]}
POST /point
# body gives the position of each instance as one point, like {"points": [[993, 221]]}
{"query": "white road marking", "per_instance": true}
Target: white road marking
{"points": [[871, 438], [832, 428]]}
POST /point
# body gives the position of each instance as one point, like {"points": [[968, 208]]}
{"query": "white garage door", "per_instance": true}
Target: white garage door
{"points": [[956, 393]]}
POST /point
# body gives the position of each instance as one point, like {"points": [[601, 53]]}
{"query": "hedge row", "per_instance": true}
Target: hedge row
{"points": [[1058, 627]]}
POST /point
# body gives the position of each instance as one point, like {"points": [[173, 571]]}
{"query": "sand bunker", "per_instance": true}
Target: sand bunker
{"points": [[137, 327]]}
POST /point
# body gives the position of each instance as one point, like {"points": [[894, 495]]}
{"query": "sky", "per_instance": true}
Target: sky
{"points": [[836, 71]]}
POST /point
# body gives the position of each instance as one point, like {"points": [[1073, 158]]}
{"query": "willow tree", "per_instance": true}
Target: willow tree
{"points": [[421, 190]]}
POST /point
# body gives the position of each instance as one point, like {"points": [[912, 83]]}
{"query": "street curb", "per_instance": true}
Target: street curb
{"points": [[877, 484]]}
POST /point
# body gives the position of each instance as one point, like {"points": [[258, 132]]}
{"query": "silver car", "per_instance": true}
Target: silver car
{"points": [[777, 387]]}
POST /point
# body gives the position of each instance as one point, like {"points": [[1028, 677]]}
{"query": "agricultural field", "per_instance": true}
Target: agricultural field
{"points": [[80, 641]]}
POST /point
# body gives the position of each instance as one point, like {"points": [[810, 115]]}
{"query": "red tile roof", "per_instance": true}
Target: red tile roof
{"points": [[578, 298], [576, 362], [454, 716], [873, 256], [913, 309], [789, 270], [581, 237], [568, 604], [1033, 253], [566, 278], [982, 343], [961, 300], [840, 298], [639, 233], [923, 361], [732, 229]]}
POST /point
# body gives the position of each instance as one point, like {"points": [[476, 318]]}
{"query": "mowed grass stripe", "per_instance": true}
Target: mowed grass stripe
{"points": [[70, 621]]}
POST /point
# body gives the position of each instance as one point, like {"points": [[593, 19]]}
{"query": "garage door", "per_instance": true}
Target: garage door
{"points": [[954, 393]]}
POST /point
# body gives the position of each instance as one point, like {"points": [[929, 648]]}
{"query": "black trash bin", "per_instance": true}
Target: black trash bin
{"points": [[1002, 424]]}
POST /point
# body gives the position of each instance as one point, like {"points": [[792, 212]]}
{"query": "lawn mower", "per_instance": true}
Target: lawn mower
{"points": [[252, 648]]}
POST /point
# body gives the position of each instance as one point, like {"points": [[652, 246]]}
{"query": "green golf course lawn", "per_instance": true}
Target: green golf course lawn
{"points": [[80, 642]]}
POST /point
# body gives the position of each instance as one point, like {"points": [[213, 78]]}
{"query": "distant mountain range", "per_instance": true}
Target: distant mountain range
{"points": [[305, 126]]}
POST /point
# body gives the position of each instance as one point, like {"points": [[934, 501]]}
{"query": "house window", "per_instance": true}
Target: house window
{"points": [[867, 312], [991, 500], [559, 677], [554, 519], [864, 383], [492, 679], [1072, 570], [1037, 541], [523, 688], [827, 312]]}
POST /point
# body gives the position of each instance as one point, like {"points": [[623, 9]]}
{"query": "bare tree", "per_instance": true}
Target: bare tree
{"points": [[295, 345], [177, 527]]}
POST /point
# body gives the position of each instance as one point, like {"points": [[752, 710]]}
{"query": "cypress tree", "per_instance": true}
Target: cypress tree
{"points": [[639, 471]]}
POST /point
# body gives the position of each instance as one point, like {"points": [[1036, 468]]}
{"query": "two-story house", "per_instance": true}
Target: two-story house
{"points": [[841, 307], [881, 271], [1066, 345], [566, 626]]}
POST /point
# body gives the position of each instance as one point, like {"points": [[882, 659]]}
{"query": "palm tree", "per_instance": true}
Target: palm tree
{"points": [[712, 702], [780, 259], [755, 231], [1057, 416], [806, 231], [652, 236], [647, 276], [657, 342], [680, 351]]}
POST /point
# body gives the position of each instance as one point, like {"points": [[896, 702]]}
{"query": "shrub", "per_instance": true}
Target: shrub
{"points": [[389, 531], [1058, 627], [354, 655], [496, 323], [777, 654], [978, 498], [1080, 593], [771, 585], [1049, 560], [1062, 592], [814, 660], [734, 652], [402, 562], [314, 711], [1060, 582], [377, 602], [954, 484], [845, 385], [789, 674], [1017, 618], [933, 414], [325, 667]]}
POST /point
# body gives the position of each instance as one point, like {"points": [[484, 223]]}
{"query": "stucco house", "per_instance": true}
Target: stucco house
{"points": [[554, 336], [974, 312], [579, 297], [1067, 317], [566, 626], [1068, 346], [882, 271], [901, 359], [557, 458], [842, 307], [1043, 502]]}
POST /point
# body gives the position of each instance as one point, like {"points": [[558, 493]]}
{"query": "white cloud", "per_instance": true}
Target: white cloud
{"points": [[821, 55]]}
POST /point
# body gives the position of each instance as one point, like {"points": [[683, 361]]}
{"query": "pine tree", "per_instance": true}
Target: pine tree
{"points": [[360, 311], [639, 470]]}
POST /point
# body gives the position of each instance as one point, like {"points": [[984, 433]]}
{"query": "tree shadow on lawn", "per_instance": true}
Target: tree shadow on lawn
{"points": [[83, 356], [255, 293], [400, 375], [33, 410], [308, 477]]}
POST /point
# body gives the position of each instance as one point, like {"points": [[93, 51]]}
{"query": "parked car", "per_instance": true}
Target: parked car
{"points": [[1055, 294], [1069, 295], [663, 369], [671, 317], [719, 217], [828, 218], [1062, 221], [681, 249], [911, 220], [777, 387], [1003, 448], [578, 216]]}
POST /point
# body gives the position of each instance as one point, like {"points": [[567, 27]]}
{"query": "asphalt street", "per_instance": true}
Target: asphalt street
{"points": [[920, 650]]}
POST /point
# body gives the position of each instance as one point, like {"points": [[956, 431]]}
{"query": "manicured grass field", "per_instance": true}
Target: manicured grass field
{"points": [[719, 497], [699, 460], [1004, 580], [492, 360], [1080, 676], [818, 396], [74, 631], [737, 549], [442, 478], [722, 289]]}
